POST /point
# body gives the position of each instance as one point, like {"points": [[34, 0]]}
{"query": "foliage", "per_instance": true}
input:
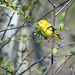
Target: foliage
{"points": [[6, 64], [26, 55]]}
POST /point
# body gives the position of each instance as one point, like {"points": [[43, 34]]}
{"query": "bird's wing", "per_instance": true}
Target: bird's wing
{"points": [[56, 33]]}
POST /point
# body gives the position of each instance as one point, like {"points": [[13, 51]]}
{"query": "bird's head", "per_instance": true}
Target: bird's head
{"points": [[42, 22]]}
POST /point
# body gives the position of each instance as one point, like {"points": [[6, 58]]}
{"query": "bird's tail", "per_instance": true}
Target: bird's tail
{"points": [[62, 40]]}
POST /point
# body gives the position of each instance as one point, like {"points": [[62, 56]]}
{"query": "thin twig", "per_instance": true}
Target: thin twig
{"points": [[26, 58], [62, 65], [54, 57], [63, 7], [14, 28], [52, 10], [7, 25], [32, 65], [51, 3], [5, 13], [72, 71], [59, 56], [30, 13], [6, 70], [49, 66], [52, 47], [66, 45], [10, 38], [66, 13]]}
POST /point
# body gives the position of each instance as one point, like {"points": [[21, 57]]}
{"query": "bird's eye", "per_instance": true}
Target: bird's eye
{"points": [[40, 22]]}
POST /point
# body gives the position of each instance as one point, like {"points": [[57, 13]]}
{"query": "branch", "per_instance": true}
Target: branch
{"points": [[52, 47], [59, 56], [66, 12], [52, 10], [49, 66], [7, 25], [63, 7], [32, 65], [66, 45], [54, 57], [13, 28], [51, 3], [62, 65], [6, 70], [10, 38]]}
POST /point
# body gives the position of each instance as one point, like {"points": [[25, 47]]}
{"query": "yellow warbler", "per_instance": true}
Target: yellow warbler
{"points": [[48, 29]]}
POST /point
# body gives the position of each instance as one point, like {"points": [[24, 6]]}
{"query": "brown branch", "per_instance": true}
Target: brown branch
{"points": [[66, 45], [10, 38], [66, 12], [6, 70], [51, 3], [59, 56], [52, 10], [49, 66], [52, 47], [14, 28], [7, 25], [63, 7], [32, 65], [62, 65]]}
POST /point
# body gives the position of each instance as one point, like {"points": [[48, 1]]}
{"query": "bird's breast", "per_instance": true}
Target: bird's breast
{"points": [[47, 32]]}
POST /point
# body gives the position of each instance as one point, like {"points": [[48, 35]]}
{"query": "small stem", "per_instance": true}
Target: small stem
{"points": [[52, 56]]}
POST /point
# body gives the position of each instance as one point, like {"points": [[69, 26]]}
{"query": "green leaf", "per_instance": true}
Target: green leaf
{"points": [[39, 40], [15, 3], [37, 32], [72, 52], [28, 59], [24, 8], [27, 16], [23, 35], [11, 69], [32, 70], [8, 39], [64, 29], [40, 72], [61, 16], [19, 39], [3, 5], [54, 50], [32, 22], [39, 4], [1, 59], [21, 14], [12, 7], [42, 68], [70, 66], [12, 25], [24, 50], [0, 3], [35, 2], [28, 39], [8, 1], [61, 26], [7, 63], [55, 28]]}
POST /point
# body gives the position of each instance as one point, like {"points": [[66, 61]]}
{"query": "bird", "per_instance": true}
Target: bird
{"points": [[48, 29]]}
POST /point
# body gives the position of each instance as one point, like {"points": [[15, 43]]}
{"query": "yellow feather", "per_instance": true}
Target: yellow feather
{"points": [[47, 29]]}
